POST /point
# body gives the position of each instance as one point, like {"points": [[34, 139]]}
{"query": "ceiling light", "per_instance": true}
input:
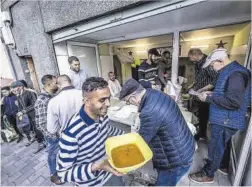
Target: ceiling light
{"points": [[141, 51], [199, 46]]}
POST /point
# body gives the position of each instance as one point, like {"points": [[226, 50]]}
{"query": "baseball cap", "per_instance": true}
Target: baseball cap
{"points": [[130, 86], [16, 84], [217, 54]]}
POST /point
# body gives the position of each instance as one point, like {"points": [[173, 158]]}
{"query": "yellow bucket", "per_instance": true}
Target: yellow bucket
{"points": [[130, 138]]}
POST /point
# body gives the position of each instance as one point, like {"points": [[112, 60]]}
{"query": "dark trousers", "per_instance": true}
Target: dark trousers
{"points": [[220, 136], [13, 122], [38, 134], [203, 118], [226, 157]]}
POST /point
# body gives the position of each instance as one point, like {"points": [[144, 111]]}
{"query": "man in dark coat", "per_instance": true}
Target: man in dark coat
{"points": [[26, 101], [164, 128]]}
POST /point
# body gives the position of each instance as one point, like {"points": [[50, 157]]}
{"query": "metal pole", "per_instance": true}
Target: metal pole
{"points": [[175, 57], [246, 147]]}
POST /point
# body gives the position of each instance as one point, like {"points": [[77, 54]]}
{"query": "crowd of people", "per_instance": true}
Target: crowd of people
{"points": [[69, 117]]}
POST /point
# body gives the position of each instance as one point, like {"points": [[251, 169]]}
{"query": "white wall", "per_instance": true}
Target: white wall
{"points": [[185, 46], [62, 57], [4, 64]]}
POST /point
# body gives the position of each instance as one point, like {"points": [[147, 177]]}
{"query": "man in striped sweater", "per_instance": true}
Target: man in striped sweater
{"points": [[148, 71], [82, 158]]}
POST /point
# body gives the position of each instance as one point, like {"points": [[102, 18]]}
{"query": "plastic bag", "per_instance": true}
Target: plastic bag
{"points": [[173, 90], [8, 134]]}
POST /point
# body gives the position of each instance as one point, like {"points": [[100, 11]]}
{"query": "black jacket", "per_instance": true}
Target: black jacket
{"points": [[26, 102]]}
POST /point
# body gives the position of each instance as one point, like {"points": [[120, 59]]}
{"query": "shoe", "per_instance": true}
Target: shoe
{"points": [[41, 146], [198, 137], [55, 179], [201, 178], [20, 138], [223, 171], [29, 142]]}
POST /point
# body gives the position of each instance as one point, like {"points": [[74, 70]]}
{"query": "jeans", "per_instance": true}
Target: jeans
{"points": [[114, 181], [52, 148], [220, 135], [171, 176]]}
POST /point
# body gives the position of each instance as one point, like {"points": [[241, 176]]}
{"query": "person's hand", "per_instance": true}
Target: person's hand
{"points": [[4, 116], [200, 90], [190, 86], [19, 114], [154, 86], [103, 164], [209, 93], [203, 96]]}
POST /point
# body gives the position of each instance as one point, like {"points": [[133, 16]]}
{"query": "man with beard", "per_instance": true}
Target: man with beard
{"points": [[81, 158], [52, 140], [114, 85], [26, 102], [63, 106], [77, 75], [148, 71], [205, 79], [164, 68]]}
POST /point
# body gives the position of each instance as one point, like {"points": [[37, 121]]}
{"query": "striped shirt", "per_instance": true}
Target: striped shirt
{"points": [[148, 73], [204, 76], [81, 144]]}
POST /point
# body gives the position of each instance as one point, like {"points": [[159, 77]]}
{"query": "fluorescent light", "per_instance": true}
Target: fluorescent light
{"points": [[82, 56], [141, 51], [199, 46]]}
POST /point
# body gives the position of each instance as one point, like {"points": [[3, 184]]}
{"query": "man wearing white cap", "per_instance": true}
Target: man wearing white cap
{"points": [[228, 107]]}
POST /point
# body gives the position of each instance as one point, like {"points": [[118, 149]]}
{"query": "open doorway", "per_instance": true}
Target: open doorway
{"points": [[138, 51], [32, 73], [234, 38]]}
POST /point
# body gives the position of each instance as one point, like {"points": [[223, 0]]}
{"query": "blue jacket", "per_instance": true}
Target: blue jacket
{"points": [[164, 128], [10, 108], [230, 118]]}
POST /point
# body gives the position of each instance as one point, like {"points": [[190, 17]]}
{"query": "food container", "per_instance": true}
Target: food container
{"points": [[128, 139]]}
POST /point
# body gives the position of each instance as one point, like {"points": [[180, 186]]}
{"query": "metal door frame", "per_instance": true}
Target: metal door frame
{"points": [[98, 61]]}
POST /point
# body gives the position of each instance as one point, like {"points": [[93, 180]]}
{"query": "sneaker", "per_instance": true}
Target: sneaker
{"points": [[223, 171], [41, 146], [198, 137], [20, 138], [201, 178], [29, 142], [55, 179]]}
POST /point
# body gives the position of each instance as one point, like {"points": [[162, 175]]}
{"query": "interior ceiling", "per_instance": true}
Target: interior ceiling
{"points": [[187, 18], [164, 39], [216, 32]]}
